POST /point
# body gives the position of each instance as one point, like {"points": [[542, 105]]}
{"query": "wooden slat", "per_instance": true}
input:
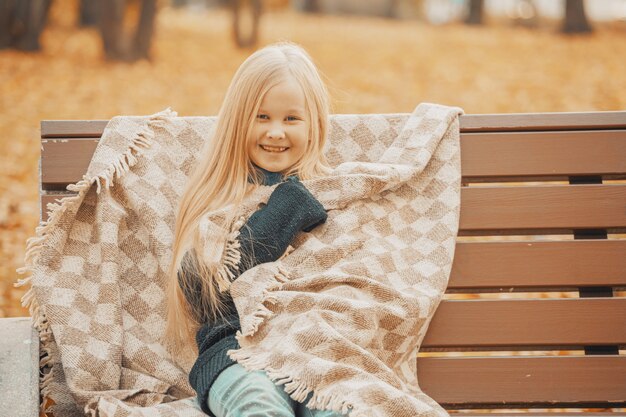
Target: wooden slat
{"points": [[65, 161], [503, 382], [528, 322], [550, 207], [543, 154], [468, 123], [561, 264], [72, 128], [543, 121], [487, 210], [546, 155], [505, 265]]}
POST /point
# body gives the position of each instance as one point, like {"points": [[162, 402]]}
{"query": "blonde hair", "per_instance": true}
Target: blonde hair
{"points": [[220, 176]]}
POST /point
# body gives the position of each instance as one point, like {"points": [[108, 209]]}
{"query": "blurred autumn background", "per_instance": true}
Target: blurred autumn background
{"points": [[73, 59]]}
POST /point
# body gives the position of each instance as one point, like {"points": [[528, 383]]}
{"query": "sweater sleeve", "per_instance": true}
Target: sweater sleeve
{"points": [[268, 232]]}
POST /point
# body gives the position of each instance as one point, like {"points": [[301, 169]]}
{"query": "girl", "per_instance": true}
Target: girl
{"points": [[271, 130]]}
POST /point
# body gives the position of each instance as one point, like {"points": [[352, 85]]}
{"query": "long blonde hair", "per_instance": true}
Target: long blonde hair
{"points": [[220, 176]]}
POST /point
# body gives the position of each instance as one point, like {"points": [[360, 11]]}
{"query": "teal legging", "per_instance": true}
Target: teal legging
{"points": [[239, 393]]}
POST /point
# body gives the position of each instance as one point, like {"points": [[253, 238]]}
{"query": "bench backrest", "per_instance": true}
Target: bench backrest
{"points": [[535, 313]]}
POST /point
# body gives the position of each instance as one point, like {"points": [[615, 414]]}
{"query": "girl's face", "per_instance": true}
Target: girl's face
{"points": [[279, 134]]}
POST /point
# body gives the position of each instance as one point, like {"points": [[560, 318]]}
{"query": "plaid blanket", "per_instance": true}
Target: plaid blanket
{"points": [[341, 316]]}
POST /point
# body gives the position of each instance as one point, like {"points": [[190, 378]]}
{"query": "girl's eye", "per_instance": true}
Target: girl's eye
{"points": [[292, 118], [262, 116]]}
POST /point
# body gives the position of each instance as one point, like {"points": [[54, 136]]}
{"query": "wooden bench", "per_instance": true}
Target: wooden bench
{"points": [[558, 233]]}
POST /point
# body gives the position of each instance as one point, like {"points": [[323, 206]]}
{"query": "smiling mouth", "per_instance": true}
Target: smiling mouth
{"points": [[274, 149]]}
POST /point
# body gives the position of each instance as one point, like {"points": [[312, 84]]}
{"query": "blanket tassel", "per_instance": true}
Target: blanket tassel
{"points": [[231, 258], [282, 275], [298, 390], [141, 142]]}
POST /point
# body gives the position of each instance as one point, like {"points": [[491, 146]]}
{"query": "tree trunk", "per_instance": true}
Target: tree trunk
{"points": [[145, 29], [119, 45], [475, 12], [312, 6], [392, 7], [89, 12], [7, 12], [246, 11], [111, 19], [21, 23], [575, 17]]}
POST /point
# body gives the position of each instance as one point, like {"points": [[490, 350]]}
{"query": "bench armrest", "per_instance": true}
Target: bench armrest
{"points": [[19, 367]]}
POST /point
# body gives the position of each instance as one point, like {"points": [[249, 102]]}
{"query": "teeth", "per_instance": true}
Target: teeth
{"points": [[273, 149]]}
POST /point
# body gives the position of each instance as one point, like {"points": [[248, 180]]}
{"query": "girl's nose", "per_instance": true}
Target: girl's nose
{"points": [[275, 133]]}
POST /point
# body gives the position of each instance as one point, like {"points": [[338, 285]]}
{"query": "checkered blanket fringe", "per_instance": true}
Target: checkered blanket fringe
{"points": [[338, 319]]}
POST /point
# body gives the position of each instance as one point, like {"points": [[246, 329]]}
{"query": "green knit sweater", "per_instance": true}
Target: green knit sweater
{"points": [[264, 238]]}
